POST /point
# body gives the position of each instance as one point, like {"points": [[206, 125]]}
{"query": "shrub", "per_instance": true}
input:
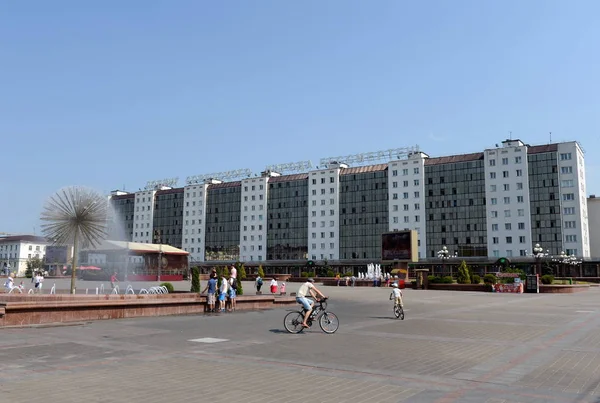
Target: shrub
{"points": [[347, 274], [195, 280], [489, 279], [432, 279], [239, 290], [475, 279], [241, 272], [447, 280], [463, 276], [330, 273], [489, 287], [547, 279], [261, 272], [311, 274], [169, 287], [304, 274]]}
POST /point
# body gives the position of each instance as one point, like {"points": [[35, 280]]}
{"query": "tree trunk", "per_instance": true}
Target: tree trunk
{"points": [[74, 267]]}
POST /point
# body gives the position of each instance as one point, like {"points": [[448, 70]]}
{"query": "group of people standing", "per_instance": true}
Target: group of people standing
{"points": [[226, 292]]}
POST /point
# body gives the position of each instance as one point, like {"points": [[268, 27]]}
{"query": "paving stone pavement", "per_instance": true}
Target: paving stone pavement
{"points": [[452, 347]]}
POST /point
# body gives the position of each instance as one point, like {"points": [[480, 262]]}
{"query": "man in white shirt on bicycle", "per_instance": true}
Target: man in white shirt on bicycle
{"points": [[396, 295], [305, 289]]}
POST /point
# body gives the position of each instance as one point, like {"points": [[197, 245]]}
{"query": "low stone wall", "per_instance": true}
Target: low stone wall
{"points": [[563, 289], [17, 310], [459, 287]]}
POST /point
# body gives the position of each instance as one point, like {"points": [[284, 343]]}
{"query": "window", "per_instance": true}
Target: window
{"points": [[332, 180], [493, 214], [509, 239], [395, 220], [417, 206], [492, 175], [331, 223], [494, 201], [406, 220], [571, 238], [395, 207], [505, 174], [416, 171], [569, 210], [520, 186], [518, 160], [496, 253], [504, 161], [492, 163], [567, 183], [519, 199], [568, 197], [508, 226], [417, 195], [416, 182], [394, 184], [405, 195], [566, 170], [331, 212], [519, 172], [521, 225], [506, 187], [571, 252], [405, 172], [492, 188], [331, 245], [565, 156], [495, 240], [406, 207], [332, 235], [509, 253], [395, 196], [395, 172], [405, 183], [417, 218], [570, 224], [507, 200], [522, 240], [506, 213]]}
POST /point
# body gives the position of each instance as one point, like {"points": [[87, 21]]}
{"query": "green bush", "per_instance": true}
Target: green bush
{"points": [[311, 274], [547, 279], [239, 290], [330, 273], [489, 287], [440, 280], [447, 280], [431, 279], [169, 286], [347, 274], [489, 279], [475, 279], [261, 272], [463, 276], [195, 280], [304, 274]]}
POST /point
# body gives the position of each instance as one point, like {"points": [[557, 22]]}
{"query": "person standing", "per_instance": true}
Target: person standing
{"points": [[274, 286], [38, 281], [211, 287], [223, 291], [233, 273], [353, 280], [232, 292], [113, 280], [258, 283]]}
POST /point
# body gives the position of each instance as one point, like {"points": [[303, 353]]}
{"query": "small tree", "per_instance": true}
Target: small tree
{"points": [[242, 272], [261, 272], [463, 274], [195, 280], [33, 264], [238, 288]]}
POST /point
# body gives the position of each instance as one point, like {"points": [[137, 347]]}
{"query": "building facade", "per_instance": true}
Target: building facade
{"points": [[593, 206], [16, 250], [495, 203]]}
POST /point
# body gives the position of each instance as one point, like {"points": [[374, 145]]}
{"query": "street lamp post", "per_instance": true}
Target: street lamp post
{"points": [[539, 254], [445, 254]]}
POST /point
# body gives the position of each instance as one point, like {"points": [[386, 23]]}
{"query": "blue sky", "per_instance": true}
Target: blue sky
{"points": [[111, 94]]}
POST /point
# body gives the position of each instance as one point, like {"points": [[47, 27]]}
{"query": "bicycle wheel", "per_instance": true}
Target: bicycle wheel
{"points": [[401, 313], [293, 322], [397, 311], [329, 322]]}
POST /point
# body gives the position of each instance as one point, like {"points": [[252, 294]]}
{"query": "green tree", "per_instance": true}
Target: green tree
{"points": [[195, 280], [242, 272], [33, 264], [463, 276], [261, 272]]}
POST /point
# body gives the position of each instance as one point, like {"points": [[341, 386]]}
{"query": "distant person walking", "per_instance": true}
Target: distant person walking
{"points": [[258, 283], [39, 279], [113, 280]]}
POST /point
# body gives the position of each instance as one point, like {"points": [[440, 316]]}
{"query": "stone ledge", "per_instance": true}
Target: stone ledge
{"points": [[563, 289], [77, 309]]}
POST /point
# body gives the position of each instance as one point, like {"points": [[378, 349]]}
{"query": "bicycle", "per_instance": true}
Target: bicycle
{"points": [[328, 321], [398, 311]]}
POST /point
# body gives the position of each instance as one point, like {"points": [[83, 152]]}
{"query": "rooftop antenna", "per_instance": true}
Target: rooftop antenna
{"points": [[550, 137], [510, 135]]}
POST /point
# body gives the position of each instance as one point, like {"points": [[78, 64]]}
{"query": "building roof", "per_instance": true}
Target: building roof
{"points": [[125, 196], [23, 238], [224, 185], [287, 178], [169, 191], [364, 169], [137, 247], [547, 148], [452, 159]]}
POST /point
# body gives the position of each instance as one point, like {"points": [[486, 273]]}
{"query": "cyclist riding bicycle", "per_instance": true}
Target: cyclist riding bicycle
{"points": [[396, 295], [307, 288]]}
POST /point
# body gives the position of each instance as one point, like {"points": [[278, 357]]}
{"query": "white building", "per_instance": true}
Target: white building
{"points": [[571, 172], [323, 212], [16, 250], [194, 218], [406, 195], [507, 200], [593, 207], [253, 218], [144, 216]]}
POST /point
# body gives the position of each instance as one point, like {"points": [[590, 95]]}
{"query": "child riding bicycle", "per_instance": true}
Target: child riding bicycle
{"points": [[396, 295]]}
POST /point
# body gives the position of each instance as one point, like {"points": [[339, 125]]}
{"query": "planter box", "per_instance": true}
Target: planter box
{"points": [[563, 289]]}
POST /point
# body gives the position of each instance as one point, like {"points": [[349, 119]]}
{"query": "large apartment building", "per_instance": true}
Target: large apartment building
{"points": [[495, 203]]}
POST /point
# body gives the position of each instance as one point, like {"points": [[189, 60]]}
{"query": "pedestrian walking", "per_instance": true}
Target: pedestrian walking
{"points": [[353, 280], [258, 283], [274, 286]]}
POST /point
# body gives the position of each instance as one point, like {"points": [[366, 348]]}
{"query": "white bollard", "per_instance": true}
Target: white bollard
{"points": [[96, 290]]}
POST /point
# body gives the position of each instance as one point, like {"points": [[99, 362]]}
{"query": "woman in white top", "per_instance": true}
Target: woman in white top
{"points": [[273, 286], [223, 293], [10, 283]]}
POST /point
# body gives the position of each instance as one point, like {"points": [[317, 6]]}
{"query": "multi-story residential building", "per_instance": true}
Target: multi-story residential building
{"points": [[16, 250], [593, 205], [491, 204]]}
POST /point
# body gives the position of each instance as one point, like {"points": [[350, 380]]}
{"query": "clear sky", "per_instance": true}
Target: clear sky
{"points": [[110, 94]]}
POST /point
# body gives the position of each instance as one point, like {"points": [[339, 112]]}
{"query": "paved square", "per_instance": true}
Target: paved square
{"points": [[452, 347]]}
